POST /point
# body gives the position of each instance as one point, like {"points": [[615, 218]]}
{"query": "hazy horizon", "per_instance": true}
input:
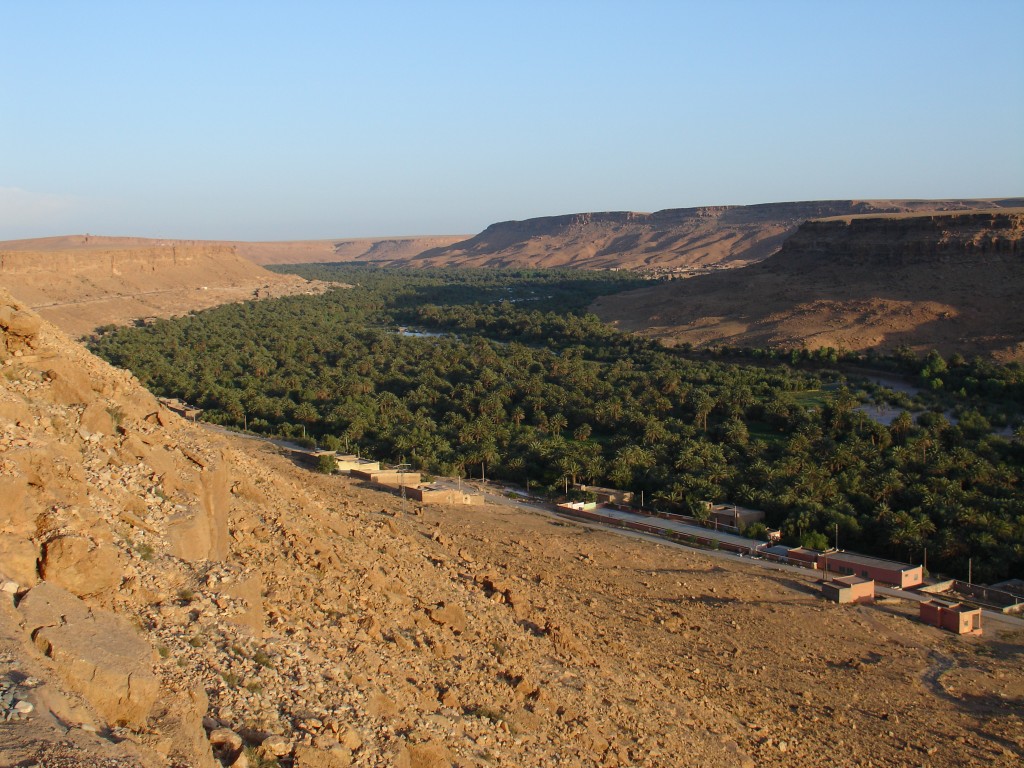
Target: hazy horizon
{"points": [[258, 122]]}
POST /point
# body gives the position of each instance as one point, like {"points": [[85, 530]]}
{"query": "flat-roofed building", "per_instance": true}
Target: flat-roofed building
{"points": [[849, 589], [805, 556], [434, 493], [958, 617], [392, 478], [897, 574], [734, 515], [348, 462], [606, 495]]}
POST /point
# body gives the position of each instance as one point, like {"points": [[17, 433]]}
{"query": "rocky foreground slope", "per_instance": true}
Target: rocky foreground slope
{"points": [[82, 281], [948, 281], [671, 240], [168, 594]]}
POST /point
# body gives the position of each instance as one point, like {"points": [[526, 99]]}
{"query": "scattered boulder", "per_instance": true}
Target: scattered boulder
{"points": [[21, 327], [227, 745], [451, 616], [312, 757], [74, 563], [69, 384], [97, 418], [98, 654], [275, 746]]}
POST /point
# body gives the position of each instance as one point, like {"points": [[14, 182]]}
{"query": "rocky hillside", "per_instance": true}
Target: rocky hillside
{"points": [[684, 239], [83, 281], [946, 281], [168, 594]]}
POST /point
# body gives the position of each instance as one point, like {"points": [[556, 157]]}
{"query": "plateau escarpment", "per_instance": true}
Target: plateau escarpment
{"points": [[362, 249], [674, 240], [83, 281], [949, 281]]}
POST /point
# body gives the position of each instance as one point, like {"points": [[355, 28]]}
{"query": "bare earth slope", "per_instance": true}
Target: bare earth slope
{"points": [[83, 281], [160, 583], [952, 282], [669, 240]]}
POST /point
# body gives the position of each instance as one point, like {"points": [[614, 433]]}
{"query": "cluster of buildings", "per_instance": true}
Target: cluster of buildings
{"points": [[399, 480], [889, 572], [848, 577]]}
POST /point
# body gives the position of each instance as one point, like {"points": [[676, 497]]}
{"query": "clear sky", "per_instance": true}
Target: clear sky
{"points": [[286, 120]]}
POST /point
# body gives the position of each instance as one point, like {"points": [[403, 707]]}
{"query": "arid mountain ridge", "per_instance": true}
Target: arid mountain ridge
{"points": [[949, 281], [876, 280], [672, 239]]}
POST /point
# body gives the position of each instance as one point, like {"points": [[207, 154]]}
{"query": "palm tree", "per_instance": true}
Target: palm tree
{"points": [[518, 414], [484, 453], [703, 404], [570, 467]]}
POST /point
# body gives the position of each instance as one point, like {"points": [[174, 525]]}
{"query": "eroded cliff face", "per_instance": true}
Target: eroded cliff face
{"points": [[673, 239], [948, 281], [977, 238], [115, 263], [81, 282]]}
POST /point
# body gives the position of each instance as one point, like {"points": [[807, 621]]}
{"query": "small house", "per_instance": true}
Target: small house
{"points": [[348, 462], [849, 589], [731, 514], [433, 493], [606, 495], [958, 617], [390, 478]]}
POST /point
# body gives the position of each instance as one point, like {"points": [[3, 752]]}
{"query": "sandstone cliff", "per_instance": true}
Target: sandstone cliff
{"points": [[947, 281], [168, 593], [84, 281], [674, 239]]}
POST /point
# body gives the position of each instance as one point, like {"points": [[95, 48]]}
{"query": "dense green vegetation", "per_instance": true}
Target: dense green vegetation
{"points": [[525, 386]]}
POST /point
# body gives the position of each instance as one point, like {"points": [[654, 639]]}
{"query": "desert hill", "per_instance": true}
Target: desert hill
{"points": [[165, 590], [362, 249], [83, 281], [949, 281], [671, 240]]}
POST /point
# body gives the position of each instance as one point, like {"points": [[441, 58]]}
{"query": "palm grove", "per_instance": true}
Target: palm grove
{"points": [[526, 387]]}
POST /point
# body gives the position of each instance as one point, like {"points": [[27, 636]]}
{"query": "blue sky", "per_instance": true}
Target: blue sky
{"points": [[287, 120]]}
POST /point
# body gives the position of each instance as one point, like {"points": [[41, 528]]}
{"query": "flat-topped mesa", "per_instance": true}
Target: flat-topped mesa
{"points": [[84, 281], [675, 239], [113, 262]]}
